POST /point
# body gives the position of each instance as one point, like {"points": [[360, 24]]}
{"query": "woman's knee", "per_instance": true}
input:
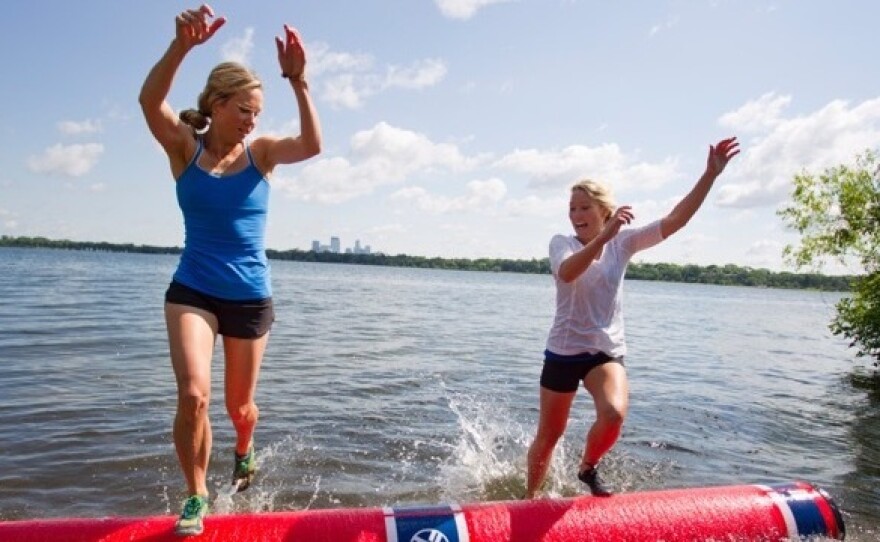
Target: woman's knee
{"points": [[611, 414], [193, 404], [243, 413]]}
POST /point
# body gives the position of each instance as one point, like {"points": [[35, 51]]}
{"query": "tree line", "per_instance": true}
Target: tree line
{"points": [[726, 275], [42, 242]]}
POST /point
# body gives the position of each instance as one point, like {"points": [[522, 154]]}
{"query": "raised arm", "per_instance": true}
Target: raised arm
{"points": [[287, 150], [193, 27], [719, 155]]}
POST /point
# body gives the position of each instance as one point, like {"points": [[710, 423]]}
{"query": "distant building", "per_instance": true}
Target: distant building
{"points": [[335, 247], [361, 250]]}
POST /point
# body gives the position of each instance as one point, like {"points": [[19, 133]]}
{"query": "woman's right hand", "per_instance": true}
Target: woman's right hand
{"points": [[622, 215], [194, 26]]}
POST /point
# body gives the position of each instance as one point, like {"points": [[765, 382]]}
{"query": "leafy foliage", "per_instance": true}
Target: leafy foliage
{"points": [[858, 317], [837, 214]]}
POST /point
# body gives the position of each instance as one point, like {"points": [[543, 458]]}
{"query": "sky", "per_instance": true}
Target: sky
{"points": [[452, 128]]}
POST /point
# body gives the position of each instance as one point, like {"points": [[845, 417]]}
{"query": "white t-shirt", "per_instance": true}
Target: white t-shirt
{"points": [[589, 318]]}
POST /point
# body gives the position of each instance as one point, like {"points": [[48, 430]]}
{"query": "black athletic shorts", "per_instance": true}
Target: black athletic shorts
{"points": [[240, 319], [565, 373]]}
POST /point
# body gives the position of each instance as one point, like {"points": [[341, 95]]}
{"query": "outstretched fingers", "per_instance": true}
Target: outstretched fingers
{"points": [[728, 147], [721, 153], [624, 214], [291, 53], [196, 25]]}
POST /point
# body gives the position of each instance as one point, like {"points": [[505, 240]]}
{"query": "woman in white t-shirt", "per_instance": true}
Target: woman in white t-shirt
{"points": [[586, 343]]}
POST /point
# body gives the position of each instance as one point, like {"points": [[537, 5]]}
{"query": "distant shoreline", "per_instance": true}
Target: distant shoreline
{"points": [[726, 275]]}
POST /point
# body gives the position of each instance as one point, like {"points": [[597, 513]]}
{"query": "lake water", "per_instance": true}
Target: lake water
{"points": [[389, 386]]}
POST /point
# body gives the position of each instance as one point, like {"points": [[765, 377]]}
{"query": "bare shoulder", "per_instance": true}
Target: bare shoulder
{"points": [[182, 154], [260, 152]]}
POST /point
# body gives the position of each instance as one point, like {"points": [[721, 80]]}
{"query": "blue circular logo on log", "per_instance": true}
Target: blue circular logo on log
{"points": [[429, 535]]}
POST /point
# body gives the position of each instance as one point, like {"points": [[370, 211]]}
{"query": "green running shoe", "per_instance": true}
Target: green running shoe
{"points": [[191, 519], [244, 469]]}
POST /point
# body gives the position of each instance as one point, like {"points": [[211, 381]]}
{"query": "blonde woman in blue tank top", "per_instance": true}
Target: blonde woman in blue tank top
{"points": [[222, 283]]}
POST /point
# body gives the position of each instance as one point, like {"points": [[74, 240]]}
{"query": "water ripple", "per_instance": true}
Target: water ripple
{"points": [[394, 386]]}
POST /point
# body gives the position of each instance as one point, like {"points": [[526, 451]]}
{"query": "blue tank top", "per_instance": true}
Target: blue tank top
{"points": [[225, 223]]}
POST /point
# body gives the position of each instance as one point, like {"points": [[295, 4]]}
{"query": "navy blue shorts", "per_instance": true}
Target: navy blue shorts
{"points": [[565, 373], [239, 319]]}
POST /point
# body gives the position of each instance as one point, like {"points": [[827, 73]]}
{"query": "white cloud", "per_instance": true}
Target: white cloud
{"points": [[694, 240], [670, 22], [387, 228], [536, 207], [463, 9], [70, 127], [386, 155], [347, 90], [425, 73], [239, 49], [757, 115], [764, 253], [8, 220], [750, 194], [689, 247], [118, 112], [606, 163], [764, 248], [647, 211], [322, 60], [382, 155], [832, 135], [348, 79], [71, 160], [409, 150], [479, 196]]}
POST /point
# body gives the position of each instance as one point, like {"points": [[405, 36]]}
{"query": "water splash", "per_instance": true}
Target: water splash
{"points": [[488, 460], [266, 493]]}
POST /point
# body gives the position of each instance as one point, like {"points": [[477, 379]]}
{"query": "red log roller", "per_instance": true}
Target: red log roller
{"points": [[747, 512]]}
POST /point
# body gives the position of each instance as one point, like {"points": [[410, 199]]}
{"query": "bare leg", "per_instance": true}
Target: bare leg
{"points": [[608, 385], [243, 360], [555, 407], [191, 335]]}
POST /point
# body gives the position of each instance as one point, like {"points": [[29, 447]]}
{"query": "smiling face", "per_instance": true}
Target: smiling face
{"points": [[587, 214]]}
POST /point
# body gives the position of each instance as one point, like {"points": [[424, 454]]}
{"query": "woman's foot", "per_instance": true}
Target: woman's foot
{"points": [[590, 475], [191, 520], [244, 468]]}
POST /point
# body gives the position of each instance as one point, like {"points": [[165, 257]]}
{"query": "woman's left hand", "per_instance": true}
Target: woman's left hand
{"points": [[720, 154], [291, 54]]}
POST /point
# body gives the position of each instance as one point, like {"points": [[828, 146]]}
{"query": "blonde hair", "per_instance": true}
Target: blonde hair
{"points": [[598, 192], [226, 79]]}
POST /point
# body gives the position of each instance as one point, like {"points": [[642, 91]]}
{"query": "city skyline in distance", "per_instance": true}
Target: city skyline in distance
{"points": [[335, 247]]}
